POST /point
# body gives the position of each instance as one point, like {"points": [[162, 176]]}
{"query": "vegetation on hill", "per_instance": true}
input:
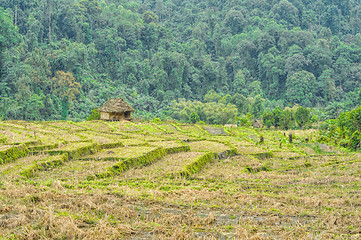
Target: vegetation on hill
{"points": [[344, 131], [61, 59]]}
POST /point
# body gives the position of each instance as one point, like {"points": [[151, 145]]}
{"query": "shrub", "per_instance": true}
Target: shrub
{"points": [[94, 116]]}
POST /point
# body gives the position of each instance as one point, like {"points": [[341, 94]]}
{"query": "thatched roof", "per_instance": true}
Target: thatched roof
{"points": [[116, 105]]}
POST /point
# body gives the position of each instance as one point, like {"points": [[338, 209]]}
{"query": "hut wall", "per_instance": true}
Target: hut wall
{"points": [[116, 116], [104, 116]]}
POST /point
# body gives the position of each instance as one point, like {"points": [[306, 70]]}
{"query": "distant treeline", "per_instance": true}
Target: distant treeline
{"points": [[240, 110]]}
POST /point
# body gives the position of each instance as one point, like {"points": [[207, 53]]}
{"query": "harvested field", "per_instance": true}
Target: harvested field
{"points": [[170, 165], [119, 180], [204, 146], [116, 154]]}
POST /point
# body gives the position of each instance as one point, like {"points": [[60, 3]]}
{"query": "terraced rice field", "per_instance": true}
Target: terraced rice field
{"points": [[123, 180]]}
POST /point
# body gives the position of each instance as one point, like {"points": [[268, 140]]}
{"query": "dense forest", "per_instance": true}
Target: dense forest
{"points": [[59, 59]]}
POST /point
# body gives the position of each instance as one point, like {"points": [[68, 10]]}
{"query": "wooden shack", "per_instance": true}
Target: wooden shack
{"points": [[116, 110]]}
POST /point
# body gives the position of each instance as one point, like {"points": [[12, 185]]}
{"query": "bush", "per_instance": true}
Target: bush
{"points": [[194, 117], [156, 120], [94, 116], [345, 130], [279, 118], [302, 117]]}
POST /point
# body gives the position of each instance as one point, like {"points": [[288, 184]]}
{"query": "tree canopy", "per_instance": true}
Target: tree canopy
{"points": [[153, 52]]}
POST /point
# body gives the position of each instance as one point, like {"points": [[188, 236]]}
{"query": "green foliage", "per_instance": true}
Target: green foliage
{"points": [[210, 112], [300, 87], [245, 120], [345, 130], [257, 108], [64, 59], [355, 141], [156, 120], [302, 116], [143, 160], [76, 150], [94, 116], [212, 96], [8, 32], [13, 153], [197, 164], [49, 163], [150, 17], [287, 118], [194, 117]]}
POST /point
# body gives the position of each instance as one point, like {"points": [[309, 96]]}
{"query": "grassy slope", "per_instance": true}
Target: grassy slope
{"points": [[173, 181]]}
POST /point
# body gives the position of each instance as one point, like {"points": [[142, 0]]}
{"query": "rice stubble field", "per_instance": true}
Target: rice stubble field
{"points": [[130, 180]]}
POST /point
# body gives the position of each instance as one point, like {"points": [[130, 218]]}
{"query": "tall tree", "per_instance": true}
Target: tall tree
{"points": [[66, 88]]}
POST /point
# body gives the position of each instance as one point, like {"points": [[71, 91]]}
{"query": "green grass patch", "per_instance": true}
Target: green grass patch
{"points": [[264, 155], [49, 163], [76, 150], [123, 127], [118, 154], [197, 164], [146, 159], [264, 168], [12, 153], [208, 146], [43, 147], [133, 142], [96, 126], [172, 146], [66, 125]]}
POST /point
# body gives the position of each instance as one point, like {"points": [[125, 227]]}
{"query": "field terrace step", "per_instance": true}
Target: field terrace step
{"points": [[126, 160], [66, 125], [170, 165], [150, 128], [129, 142], [96, 126], [146, 137], [185, 163], [193, 130], [44, 164], [13, 169], [79, 168], [182, 164], [251, 150], [130, 152], [211, 146], [134, 157], [123, 127], [318, 161], [168, 128], [288, 154], [171, 146], [119, 154], [12, 153], [74, 150], [37, 148], [102, 139], [19, 133], [197, 164], [231, 169], [16, 136]]}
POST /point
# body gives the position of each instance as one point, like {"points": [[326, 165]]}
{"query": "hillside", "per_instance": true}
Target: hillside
{"points": [[61, 59], [166, 180]]}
